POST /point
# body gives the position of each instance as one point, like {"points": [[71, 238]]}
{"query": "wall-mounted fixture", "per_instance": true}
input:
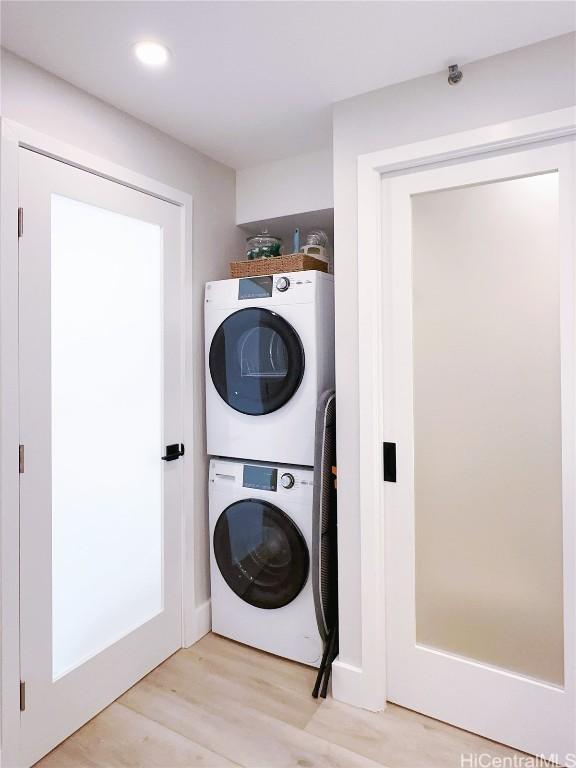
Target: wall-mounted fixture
{"points": [[151, 54], [454, 74]]}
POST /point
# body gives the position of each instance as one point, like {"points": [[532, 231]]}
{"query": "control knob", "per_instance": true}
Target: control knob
{"points": [[287, 480], [282, 284]]}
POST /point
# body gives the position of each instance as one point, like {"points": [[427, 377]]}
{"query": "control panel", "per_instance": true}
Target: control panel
{"points": [[266, 286], [284, 288], [228, 476], [255, 287], [262, 478]]}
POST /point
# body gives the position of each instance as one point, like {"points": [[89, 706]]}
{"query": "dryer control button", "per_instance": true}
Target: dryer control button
{"points": [[282, 284], [287, 480]]}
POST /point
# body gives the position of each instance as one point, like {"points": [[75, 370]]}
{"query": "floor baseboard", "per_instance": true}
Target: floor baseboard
{"points": [[200, 624], [351, 686]]}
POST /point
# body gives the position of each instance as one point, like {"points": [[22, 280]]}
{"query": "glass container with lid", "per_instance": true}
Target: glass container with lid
{"points": [[263, 246]]}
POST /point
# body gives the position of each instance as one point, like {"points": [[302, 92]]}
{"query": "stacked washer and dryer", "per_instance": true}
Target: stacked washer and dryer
{"points": [[269, 357]]}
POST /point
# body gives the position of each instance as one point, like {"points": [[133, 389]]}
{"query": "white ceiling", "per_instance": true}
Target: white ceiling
{"points": [[250, 82]]}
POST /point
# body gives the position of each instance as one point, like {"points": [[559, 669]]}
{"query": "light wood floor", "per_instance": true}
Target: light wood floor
{"points": [[221, 704]]}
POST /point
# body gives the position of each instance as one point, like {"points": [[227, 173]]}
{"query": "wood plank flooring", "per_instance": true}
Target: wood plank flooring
{"points": [[220, 704]]}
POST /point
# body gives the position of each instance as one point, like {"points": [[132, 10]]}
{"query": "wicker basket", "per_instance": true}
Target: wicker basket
{"points": [[292, 262]]}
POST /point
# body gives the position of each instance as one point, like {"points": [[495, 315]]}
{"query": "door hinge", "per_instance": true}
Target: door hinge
{"points": [[20, 222], [22, 696], [21, 459]]}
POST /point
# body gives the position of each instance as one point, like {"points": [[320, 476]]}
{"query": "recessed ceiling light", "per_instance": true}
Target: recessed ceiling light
{"points": [[152, 54]]}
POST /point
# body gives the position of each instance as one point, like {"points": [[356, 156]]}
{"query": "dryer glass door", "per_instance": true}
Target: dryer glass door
{"points": [[256, 361], [261, 553]]}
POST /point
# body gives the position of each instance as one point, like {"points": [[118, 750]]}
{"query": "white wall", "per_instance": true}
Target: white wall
{"points": [[537, 78], [284, 187], [37, 99]]}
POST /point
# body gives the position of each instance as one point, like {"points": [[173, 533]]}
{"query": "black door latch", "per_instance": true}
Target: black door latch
{"points": [[173, 452], [389, 462]]}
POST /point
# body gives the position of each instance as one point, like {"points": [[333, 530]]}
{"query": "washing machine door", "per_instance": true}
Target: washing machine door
{"points": [[256, 361], [261, 553]]}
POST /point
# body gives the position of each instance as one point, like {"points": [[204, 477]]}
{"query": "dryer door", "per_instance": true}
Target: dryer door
{"points": [[261, 553], [256, 361]]}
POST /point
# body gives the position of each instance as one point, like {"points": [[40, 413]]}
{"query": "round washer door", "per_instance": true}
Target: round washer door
{"points": [[256, 361], [261, 553]]}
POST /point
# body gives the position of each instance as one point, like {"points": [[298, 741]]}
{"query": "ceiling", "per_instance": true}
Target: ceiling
{"points": [[250, 82]]}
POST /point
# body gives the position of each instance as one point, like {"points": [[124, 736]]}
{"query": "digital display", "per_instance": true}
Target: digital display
{"points": [[254, 287], [263, 478]]}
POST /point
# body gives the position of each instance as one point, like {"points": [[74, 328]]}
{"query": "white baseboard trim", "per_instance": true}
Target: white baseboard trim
{"points": [[351, 685], [200, 624]]}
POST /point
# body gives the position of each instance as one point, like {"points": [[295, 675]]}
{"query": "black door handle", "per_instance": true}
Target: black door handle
{"points": [[390, 462], [173, 452]]}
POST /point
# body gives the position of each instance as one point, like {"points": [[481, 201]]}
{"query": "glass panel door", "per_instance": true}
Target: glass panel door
{"points": [[107, 426], [480, 362], [487, 429], [101, 397]]}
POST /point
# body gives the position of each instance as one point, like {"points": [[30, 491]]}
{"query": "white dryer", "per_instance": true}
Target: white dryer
{"points": [[269, 356], [261, 539]]}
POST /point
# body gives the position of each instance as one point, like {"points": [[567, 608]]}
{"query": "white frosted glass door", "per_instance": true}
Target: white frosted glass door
{"points": [[478, 323], [107, 425], [487, 428], [100, 371]]}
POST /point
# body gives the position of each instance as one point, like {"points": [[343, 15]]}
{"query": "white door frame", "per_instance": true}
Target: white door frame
{"points": [[13, 137], [366, 686]]}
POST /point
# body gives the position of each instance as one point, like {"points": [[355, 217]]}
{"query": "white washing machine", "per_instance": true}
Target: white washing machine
{"points": [[260, 557], [269, 356]]}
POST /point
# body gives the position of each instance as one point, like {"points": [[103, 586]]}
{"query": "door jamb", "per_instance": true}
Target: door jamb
{"points": [[365, 686], [13, 137]]}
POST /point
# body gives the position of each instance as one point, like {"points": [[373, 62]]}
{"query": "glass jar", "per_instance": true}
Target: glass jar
{"points": [[317, 237], [263, 246]]}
